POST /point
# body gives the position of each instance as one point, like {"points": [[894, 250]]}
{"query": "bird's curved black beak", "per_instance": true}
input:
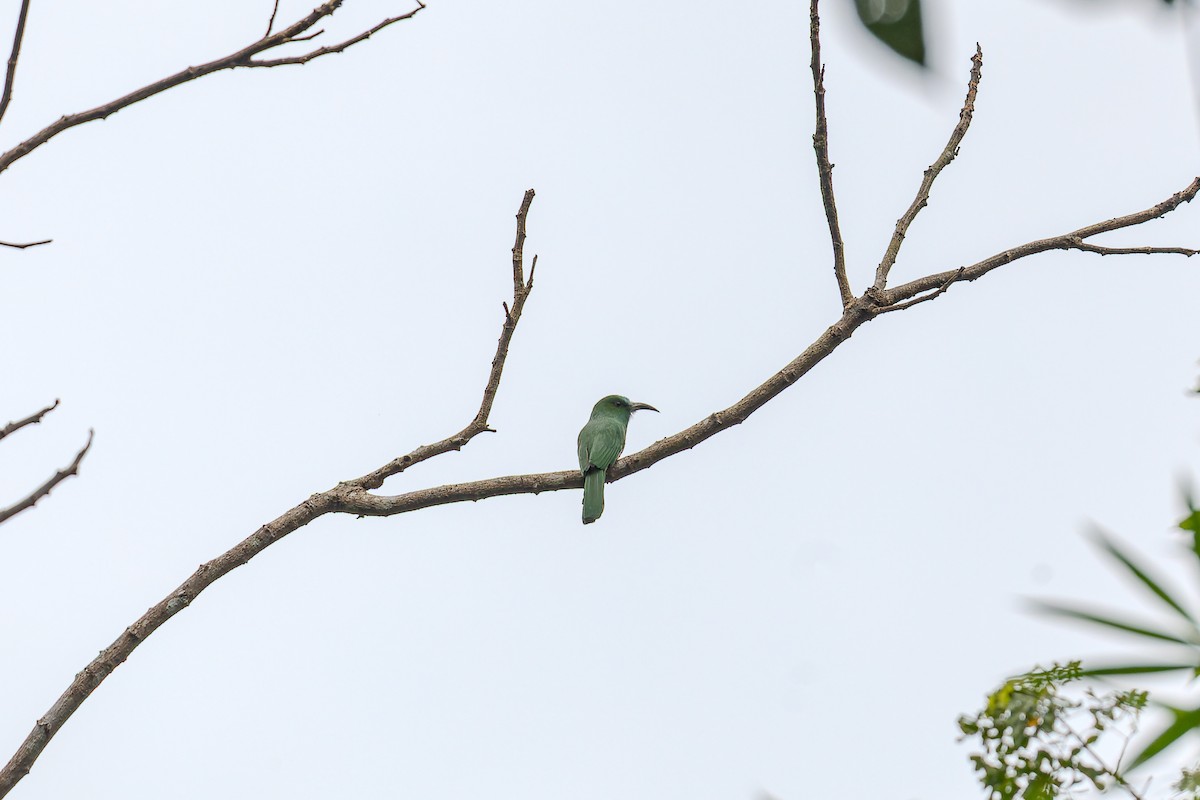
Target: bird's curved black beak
{"points": [[642, 407]]}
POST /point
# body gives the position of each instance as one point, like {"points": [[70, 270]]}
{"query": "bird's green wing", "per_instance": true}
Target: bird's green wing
{"points": [[600, 442]]}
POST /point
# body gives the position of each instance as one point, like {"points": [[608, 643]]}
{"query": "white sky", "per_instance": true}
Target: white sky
{"points": [[268, 281]]}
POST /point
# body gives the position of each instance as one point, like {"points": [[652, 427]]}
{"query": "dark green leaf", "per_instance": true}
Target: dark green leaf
{"points": [[1143, 577], [1135, 669], [1185, 721], [896, 23]]}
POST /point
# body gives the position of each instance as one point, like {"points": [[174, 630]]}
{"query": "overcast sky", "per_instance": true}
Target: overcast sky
{"points": [[267, 281]]}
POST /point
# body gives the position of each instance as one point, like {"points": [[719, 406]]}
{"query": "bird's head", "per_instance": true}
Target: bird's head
{"points": [[620, 407]]}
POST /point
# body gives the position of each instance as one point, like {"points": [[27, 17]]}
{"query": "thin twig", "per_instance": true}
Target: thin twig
{"points": [[1127, 251], [44, 489], [948, 154], [32, 419], [336, 48], [10, 77], [1114, 774], [271, 22], [307, 37], [242, 58], [20, 246], [824, 168]]}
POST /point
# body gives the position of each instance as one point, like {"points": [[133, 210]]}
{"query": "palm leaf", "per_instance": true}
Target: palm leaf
{"points": [[1143, 577], [1185, 720], [1134, 669], [1127, 627]]}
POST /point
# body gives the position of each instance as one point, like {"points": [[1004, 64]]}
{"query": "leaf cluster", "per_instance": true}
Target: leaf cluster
{"points": [[1178, 631], [1038, 743]]}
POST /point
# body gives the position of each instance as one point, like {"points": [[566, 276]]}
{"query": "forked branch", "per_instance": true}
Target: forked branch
{"points": [[863, 309], [245, 57], [1075, 240], [479, 424], [304, 58], [315, 506]]}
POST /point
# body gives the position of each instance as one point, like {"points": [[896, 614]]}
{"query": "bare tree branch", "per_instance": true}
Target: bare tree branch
{"points": [[44, 489], [824, 168], [315, 506], [1126, 251], [1075, 240], [271, 21], [10, 77], [478, 425], [948, 154], [241, 58], [355, 497], [19, 246], [32, 419], [336, 48]]}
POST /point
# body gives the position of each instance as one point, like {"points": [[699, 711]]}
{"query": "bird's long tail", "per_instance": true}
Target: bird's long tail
{"points": [[593, 495]]}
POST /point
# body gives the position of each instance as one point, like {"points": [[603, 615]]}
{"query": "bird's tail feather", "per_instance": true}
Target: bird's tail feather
{"points": [[593, 495]]}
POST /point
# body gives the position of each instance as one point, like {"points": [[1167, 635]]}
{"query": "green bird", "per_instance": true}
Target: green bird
{"points": [[600, 444]]}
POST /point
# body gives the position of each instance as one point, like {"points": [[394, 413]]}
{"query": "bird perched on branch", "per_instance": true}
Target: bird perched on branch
{"points": [[600, 444]]}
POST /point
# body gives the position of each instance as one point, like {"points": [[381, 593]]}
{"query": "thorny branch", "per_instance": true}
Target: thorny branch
{"points": [[45, 488], [925, 298], [355, 496], [824, 168]]}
